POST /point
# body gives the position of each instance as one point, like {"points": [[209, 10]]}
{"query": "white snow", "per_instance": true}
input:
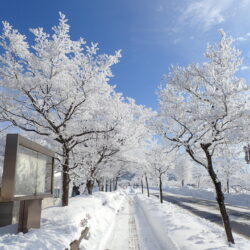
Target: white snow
{"points": [[152, 235], [61, 225], [120, 221], [120, 227], [185, 230], [124, 233]]}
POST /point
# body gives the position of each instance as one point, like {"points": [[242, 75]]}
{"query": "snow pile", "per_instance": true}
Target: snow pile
{"points": [[232, 199], [61, 225], [176, 228], [118, 235], [103, 213]]}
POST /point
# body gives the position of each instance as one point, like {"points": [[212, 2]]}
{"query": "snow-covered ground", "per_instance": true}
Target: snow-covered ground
{"points": [[123, 234], [164, 227], [150, 229], [122, 220], [61, 225], [182, 229]]}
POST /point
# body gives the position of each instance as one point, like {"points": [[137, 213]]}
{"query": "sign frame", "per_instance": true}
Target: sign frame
{"points": [[9, 170]]}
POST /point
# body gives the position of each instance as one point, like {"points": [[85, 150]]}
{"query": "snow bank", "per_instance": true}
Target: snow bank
{"points": [[61, 225], [103, 214], [185, 230], [232, 199]]}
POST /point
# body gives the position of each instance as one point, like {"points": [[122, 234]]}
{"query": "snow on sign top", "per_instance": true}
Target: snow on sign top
{"points": [[28, 169]]}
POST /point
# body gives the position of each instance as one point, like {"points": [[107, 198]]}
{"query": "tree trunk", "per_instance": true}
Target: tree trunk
{"points": [[100, 184], [90, 185], [106, 186], [160, 187], [146, 179], [65, 178], [228, 185], [116, 181], [110, 186], [219, 194], [198, 184], [141, 186], [182, 183]]}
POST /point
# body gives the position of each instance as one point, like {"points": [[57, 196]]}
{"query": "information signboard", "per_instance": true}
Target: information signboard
{"points": [[27, 179], [28, 169]]}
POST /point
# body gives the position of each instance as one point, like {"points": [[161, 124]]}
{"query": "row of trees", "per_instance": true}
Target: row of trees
{"points": [[230, 167], [204, 113], [57, 90], [203, 109]]}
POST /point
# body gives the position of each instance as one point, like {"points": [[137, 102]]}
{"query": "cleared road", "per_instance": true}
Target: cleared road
{"points": [[240, 217]]}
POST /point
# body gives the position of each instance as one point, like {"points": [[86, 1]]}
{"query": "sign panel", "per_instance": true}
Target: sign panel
{"points": [[33, 172]]}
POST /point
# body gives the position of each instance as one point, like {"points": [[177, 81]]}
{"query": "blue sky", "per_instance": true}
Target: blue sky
{"points": [[152, 34]]}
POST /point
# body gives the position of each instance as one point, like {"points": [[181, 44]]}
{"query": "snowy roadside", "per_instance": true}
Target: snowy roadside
{"points": [[61, 225], [242, 200], [185, 230]]}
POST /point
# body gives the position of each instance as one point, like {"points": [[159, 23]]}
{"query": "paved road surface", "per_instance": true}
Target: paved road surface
{"points": [[240, 217]]}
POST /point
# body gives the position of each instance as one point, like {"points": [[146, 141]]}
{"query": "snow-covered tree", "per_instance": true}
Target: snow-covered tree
{"points": [[116, 146], [55, 87], [229, 164], [200, 177], [202, 107], [160, 161], [183, 169], [147, 174]]}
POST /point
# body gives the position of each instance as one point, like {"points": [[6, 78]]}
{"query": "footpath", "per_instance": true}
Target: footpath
{"points": [[135, 230], [124, 235]]}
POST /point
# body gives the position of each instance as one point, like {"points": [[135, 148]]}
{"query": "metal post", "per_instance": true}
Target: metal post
{"points": [[247, 153]]}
